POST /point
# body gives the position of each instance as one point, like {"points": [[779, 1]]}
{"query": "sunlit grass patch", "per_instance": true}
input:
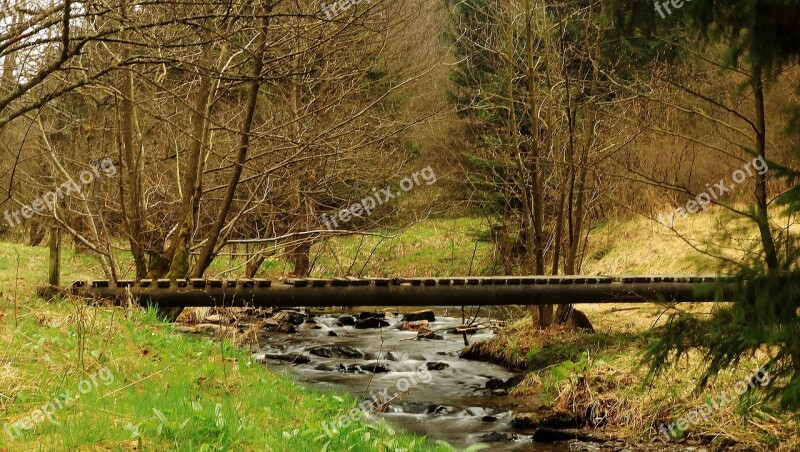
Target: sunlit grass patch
{"points": [[169, 391]]}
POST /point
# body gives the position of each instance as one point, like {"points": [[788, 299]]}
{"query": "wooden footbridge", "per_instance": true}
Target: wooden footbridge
{"points": [[442, 291]]}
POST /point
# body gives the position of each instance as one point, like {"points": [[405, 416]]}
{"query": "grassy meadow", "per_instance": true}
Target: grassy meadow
{"points": [[174, 392], [167, 391]]}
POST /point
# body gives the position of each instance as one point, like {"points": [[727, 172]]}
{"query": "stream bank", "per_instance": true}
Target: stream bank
{"points": [[408, 370]]}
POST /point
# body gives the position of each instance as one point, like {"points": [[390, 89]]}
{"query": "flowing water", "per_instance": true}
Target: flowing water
{"points": [[449, 402]]}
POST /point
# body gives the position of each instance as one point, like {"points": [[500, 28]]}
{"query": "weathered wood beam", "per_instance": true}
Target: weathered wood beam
{"points": [[449, 291]]}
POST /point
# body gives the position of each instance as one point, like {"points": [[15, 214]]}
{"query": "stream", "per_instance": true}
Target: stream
{"points": [[423, 384]]}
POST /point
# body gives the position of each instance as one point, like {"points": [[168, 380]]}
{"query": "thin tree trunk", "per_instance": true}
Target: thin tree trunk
{"points": [[178, 251], [251, 269], [512, 137], [54, 267], [8, 79], [577, 194], [569, 258], [208, 250], [767, 240], [536, 185], [133, 214], [559, 232], [299, 253], [36, 233], [544, 313]]}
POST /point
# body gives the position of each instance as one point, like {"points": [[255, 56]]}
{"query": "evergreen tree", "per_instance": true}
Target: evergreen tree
{"points": [[761, 37]]}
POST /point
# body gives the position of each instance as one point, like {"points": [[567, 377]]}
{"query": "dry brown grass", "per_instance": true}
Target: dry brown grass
{"points": [[641, 245], [599, 378], [606, 385]]}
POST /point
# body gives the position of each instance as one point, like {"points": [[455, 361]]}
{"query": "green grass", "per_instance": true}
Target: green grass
{"points": [[430, 248], [433, 247], [169, 391], [178, 393]]}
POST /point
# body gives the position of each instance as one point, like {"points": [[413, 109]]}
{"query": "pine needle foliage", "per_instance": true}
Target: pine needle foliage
{"points": [[762, 323]]}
